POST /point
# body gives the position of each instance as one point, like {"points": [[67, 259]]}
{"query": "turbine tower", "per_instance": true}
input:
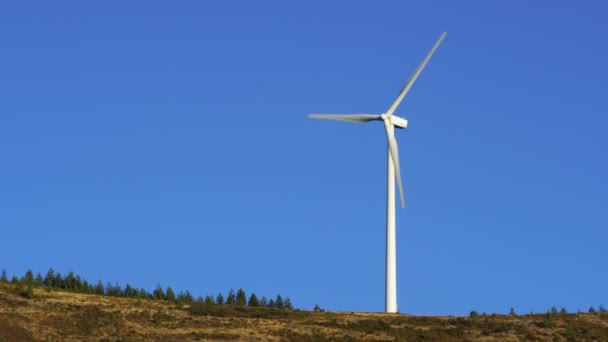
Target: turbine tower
{"points": [[390, 122]]}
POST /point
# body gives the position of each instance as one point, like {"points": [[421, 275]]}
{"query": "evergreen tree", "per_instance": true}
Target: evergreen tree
{"points": [[200, 300], [288, 304], [28, 278], [58, 281], [69, 281], [169, 294], [264, 301], [38, 281], [15, 280], [99, 289], [271, 303], [129, 291], [186, 297], [109, 289], [143, 294], [4, 277], [279, 302], [158, 293], [512, 312], [116, 290], [253, 300], [231, 298], [601, 308], [209, 300], [86, 287], [592, 310], [77, 284], [220, 299], [49, 278], [241, 298]]}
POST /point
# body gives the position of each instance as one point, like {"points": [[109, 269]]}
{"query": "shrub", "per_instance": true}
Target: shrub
{"points": [[548, 320], [570, 332], [27, 293]]}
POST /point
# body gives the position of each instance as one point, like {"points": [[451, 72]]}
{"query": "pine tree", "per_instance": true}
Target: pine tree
{"points": [[220, 299], [253, 300], [288, 304], [169, 294], [77, 284], [28, 278], [109, 289], [241, 298], [279, 302], [99, 289], [209, 300], [264, 301], [49, 278], [117, 290], [231, 298], [143, 294], [69, 281], [158, 293], [39, 281], [4, 277], [186, 297], [86, 287], [129, 291], [58, 281], [271, 303]]}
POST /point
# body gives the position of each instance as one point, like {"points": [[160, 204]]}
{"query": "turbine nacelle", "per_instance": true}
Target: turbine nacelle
{"points": [[395, 120]]}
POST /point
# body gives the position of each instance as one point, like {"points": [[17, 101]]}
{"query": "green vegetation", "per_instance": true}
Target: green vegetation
{"points": [[549, 320], [74, 283], [72, 309]]}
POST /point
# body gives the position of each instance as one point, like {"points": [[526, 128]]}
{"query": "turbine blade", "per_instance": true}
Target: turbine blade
{"points": [[394, 150], [356, 118], [414, 76]]}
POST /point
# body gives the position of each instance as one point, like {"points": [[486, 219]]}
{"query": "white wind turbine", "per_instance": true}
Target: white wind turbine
{"points": [[390, 122]]}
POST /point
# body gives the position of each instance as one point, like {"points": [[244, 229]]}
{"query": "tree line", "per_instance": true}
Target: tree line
{"points": [[75, 283]]}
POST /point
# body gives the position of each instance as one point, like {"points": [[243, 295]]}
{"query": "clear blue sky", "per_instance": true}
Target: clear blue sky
{"points": [[168, 142]]}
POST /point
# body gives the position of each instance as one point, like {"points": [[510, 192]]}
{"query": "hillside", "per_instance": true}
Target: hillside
{"points": [[68, 316]]}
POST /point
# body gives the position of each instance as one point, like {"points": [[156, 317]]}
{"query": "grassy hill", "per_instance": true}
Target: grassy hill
{"points": [[68, 316]]}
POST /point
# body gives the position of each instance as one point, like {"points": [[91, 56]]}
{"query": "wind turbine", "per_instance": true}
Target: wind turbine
{"points": [[390, 122]]}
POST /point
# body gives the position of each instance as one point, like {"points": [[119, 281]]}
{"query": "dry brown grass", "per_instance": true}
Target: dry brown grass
{"points": [[67, 316]]}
